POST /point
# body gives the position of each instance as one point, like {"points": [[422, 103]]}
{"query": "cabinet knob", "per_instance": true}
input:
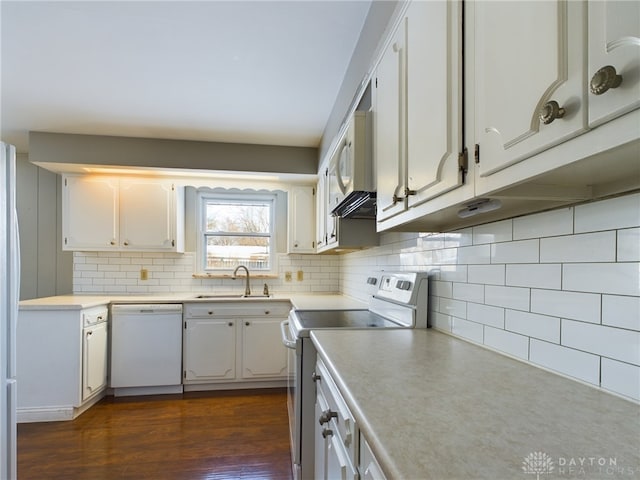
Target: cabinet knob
{"points": [[604, 79], [210, 312], [327, 433], [550, 111], [230, 324], [126, 244], [247, 323], [112, 242], [267, 312], [315, 377]]}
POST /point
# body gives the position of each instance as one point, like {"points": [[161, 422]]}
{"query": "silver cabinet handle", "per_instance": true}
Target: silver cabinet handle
{"points": [[550, 111], [604, 79]]}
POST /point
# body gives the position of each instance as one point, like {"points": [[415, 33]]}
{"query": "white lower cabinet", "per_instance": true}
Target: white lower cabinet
{"points": [[336, 434], [61, 362], [369, 467], [227, 343], [209, 349]]}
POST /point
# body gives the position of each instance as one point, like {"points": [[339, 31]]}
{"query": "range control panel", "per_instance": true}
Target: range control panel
{"points": [[400, 286]]}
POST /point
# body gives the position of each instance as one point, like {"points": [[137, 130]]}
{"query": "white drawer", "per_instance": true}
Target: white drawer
{"points": [[237, 309], [344, 422]]}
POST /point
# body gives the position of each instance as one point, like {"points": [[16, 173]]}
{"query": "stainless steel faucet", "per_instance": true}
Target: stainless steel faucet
{"points": [[247, 289]]}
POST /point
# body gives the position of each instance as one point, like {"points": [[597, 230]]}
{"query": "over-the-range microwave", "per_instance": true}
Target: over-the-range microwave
{"points": [[351, 171]]}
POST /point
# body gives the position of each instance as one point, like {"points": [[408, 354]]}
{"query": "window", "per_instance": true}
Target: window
{"points": [[236, 229]]}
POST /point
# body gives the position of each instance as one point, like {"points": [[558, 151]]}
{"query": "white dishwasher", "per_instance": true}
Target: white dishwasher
{"points": [[146, 349]]}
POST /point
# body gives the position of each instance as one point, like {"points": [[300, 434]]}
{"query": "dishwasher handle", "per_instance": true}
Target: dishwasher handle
{"points": [[284, 328]]}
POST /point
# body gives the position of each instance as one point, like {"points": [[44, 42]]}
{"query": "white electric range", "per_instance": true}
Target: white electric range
{"points": [[400, 301]]}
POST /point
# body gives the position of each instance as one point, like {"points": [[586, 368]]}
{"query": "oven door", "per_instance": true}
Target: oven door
{"points": [[294, 372]]}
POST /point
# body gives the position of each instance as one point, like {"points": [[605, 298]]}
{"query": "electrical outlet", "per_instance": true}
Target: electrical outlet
{"points": [[144, 274], [300, 275], [287, 276]]}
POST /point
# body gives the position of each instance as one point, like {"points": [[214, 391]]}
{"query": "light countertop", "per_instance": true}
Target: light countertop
{"points": [[436, 407], [298, 300]]}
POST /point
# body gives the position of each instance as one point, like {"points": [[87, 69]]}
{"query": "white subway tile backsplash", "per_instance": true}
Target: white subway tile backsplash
{"points": [[474, 254], [588, 247], [485, 314], [510, 343], [454, 308], [493, 232], [581, 365], [545, 224], [534, 275], [441, 289], [623, 312], [621, 378], [629, 245], [521, 251], [609, 342], [614, 278], [469, 292], [488, 274], [459, 238], [441, 321], [620, 212], [573, 305], [533, 325], [509, 297], [453, 273], [469, 330]]}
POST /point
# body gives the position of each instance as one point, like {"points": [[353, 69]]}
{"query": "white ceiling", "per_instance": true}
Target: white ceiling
{"points": [[265, 72]]}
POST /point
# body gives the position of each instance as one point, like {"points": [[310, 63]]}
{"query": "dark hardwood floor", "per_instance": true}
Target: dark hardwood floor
{"points": [[204, 435]]}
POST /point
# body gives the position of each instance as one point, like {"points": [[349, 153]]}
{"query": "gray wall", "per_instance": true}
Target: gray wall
{"points": [[381, 14], [147, 152], [45, 269]]}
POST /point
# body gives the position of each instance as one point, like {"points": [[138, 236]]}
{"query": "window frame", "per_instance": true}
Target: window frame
{"points": [[206, 197]]}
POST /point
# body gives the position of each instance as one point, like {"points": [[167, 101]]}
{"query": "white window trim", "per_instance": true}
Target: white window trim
{"points": [[202, 198]]}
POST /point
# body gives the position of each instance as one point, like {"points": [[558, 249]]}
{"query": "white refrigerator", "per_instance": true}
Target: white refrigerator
{"points": [[9, 295]]}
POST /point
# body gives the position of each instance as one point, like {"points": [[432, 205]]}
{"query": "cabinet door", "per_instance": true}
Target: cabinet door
{"points": [[434, 94], [614, 40], [338, 466], [263, 354], [321, 210], [528, 54], [147, 219], [209, 351], [89, 213], [94, 362], [302, 237], [389, 127], [320, 437]]}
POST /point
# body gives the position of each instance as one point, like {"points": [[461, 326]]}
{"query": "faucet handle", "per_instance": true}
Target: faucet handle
{"points": [[265, 290]]}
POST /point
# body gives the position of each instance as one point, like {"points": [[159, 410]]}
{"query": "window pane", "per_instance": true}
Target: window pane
{"points": [[227, 252], [249, 217]]}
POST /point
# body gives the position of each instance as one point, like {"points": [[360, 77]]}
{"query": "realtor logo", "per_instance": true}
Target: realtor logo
{"points": [[538, 463]]}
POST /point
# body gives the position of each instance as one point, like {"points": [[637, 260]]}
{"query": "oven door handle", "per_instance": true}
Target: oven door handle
{"points": [[284, 327]]}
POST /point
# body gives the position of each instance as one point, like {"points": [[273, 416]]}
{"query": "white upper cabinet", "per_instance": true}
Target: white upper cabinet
{"points": [[110, 213], [614, 59], [147, 214], [321, 209], [529, 74], [418, 112], [302, 222], [90, 213]]}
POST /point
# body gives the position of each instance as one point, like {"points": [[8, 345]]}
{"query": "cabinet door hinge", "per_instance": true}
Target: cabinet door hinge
{"points": [[173, 243], [185, 325], [65, 240], [313, 244], [476, 153], [65, 182], [313, 191], [184, 374], [463, 161], [376, 82]]}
